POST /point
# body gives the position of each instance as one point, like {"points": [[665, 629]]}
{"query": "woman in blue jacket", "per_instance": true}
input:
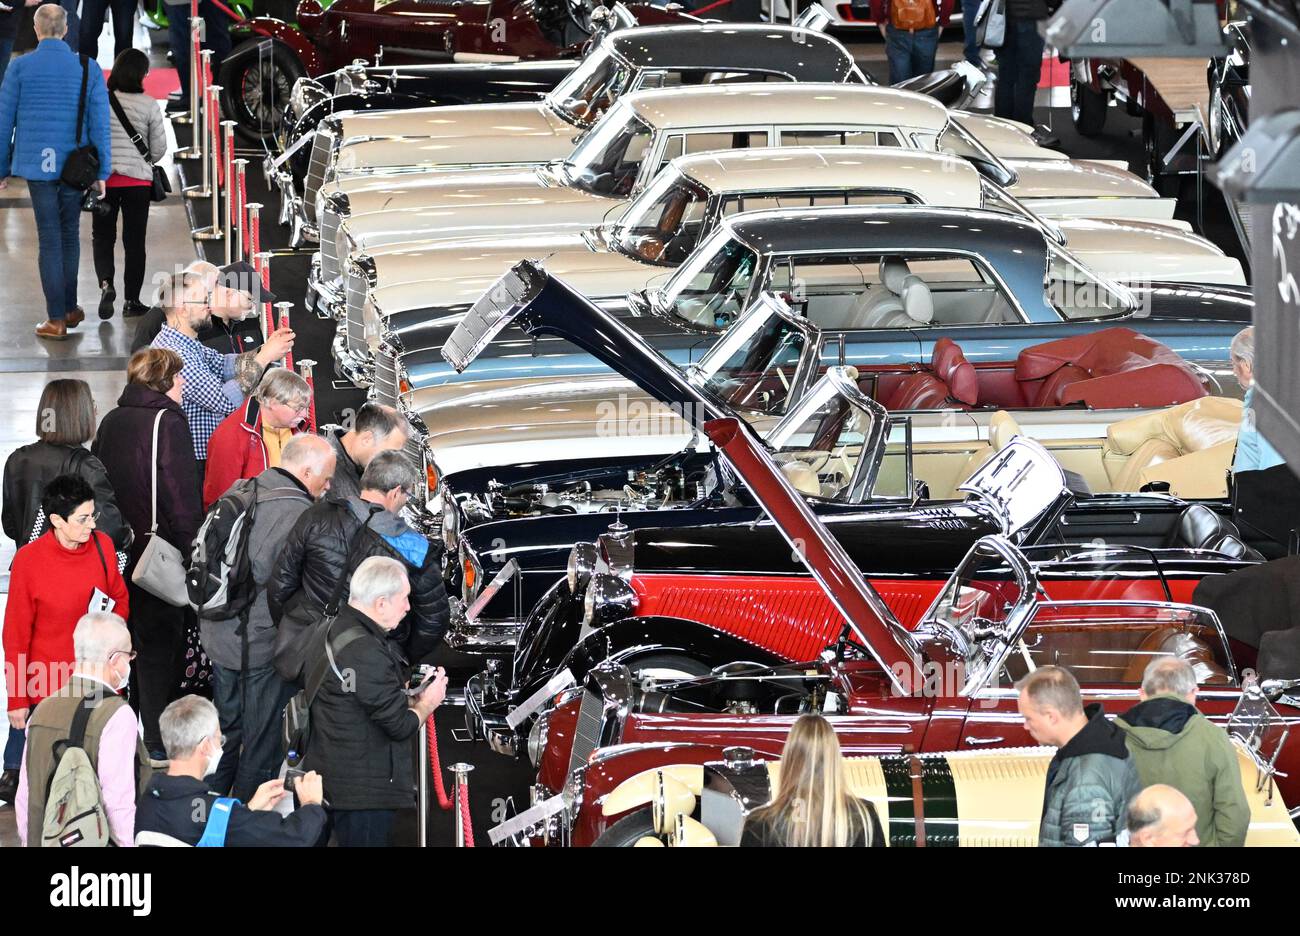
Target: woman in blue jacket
{"points": [[38, 131]]}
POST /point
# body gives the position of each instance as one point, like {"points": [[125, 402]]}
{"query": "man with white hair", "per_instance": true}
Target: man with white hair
{"points": [[1161, 817], [248, 692], [1174, 744], [179, 807], [215, 383], [1254, 453], [235, 327], [41, 102], [364, 720], [251, 439], [102, 647]]}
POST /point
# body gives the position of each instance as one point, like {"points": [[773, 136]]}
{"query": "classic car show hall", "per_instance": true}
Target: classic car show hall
{"points": [[717, 424]]}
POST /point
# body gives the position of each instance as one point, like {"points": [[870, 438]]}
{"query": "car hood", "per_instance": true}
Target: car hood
{"points": [[372, 190], [1038, 178], [1006, 139], [596, 273], [482, 212], [1145, 251], [486, 134]]}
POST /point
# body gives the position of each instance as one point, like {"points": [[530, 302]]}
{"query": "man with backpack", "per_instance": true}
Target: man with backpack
{"points": [[911, 30], [334, 536], [84, 761], [179, 807], [249, 695]]}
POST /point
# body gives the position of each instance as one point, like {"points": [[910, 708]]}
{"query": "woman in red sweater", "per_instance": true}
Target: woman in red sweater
{"points": [[55, 579]]}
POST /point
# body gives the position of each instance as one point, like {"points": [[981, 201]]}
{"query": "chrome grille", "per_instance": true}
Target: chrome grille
{"points": [[586, 733], [355, 321], [384, 384], [322, 150], [331, 264]]}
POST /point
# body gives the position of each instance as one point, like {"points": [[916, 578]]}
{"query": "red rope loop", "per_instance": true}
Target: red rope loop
{"points": [[444, 801], [464, 816]]}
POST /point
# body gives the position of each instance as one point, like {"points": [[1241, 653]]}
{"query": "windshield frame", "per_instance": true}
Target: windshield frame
{"points": [[1126, 297], [600, 56], [668, 178], [598, 139], [705, 252], [981, 151], [1043, 224]]}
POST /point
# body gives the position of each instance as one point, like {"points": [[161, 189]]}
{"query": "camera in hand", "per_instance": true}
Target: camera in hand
{"points": [[421, 676], [291, 776], [91, 202]]}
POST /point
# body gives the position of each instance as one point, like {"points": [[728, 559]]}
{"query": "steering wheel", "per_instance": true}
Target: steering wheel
{"points": [[580, 12]]}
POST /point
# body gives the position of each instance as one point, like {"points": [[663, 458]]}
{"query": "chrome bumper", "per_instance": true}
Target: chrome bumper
{"points": [[492, 636], [486, 726], [325, 299], [346, 363]]}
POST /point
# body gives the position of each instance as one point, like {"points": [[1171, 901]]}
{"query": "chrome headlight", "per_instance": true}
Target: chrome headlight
{"points": [[608, 599], [582, 562], [471, 575], [537, 738], [450, 523]]}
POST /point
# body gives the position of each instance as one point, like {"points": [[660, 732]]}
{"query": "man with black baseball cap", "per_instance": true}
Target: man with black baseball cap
{"points": [[237, 302]]}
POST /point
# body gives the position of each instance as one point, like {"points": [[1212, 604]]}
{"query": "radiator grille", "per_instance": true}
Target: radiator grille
{"points": [[355, 320], [322, 149], [331, 264], [586, 733], [384, 384]]}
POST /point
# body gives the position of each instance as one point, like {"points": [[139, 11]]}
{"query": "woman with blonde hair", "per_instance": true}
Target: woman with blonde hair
{"points": [[814, 805]]}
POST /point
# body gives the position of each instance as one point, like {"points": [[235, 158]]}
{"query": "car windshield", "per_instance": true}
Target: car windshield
{"points": [[608, 159], [663, 224], [591, 88], [821, 453], [756, 376], [1079, 294], [995, 198], [955, 140], [712, 289]]}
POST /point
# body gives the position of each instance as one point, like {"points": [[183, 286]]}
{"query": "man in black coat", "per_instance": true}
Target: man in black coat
{"points": [[364, 721], [333, 536]]}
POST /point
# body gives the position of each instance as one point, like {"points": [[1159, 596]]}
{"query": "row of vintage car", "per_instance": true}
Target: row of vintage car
{"points": [[745, 387]]}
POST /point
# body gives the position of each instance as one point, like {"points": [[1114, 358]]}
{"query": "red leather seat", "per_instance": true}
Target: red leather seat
{"points": [[1114, 367], [950, 381]]}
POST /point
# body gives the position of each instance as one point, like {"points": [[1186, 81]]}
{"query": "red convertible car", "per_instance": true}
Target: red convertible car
{"points": [[944, 684]]}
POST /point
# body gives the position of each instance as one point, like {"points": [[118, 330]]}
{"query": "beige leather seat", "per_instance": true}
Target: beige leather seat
{"points": [[1002, 429], [881, 304], [802, 477], [1189, 445]]}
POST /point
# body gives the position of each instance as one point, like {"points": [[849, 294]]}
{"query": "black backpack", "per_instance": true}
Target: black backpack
{"points": [[219, 579]]}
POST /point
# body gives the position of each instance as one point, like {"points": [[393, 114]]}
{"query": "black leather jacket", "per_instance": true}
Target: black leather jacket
{"points": [[33, 466], [315, 555]]}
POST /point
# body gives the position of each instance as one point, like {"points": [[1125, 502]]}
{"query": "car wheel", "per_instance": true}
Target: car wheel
{"points": [[1087, 108], [255, 91], [1156, 142], [627, 831]]}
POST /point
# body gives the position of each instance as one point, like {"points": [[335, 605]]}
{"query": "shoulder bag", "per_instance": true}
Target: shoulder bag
{"points": [[160, 187], [991, 24], [161, 569], [81, 168]]}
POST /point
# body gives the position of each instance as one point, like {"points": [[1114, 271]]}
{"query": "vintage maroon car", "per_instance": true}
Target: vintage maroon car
{"points": [[257, 78], [945, 684]]}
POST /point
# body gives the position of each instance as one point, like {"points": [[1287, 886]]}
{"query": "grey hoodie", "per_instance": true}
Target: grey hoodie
{"points": [[280, 501]]}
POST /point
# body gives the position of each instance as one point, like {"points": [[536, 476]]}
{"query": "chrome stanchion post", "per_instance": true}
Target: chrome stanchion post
{"points": [[462, 782], [282, 310], [423, 799], [196, 81], [262, 260], [202, 143], [228, 178], [238, 213], [198, 101], [305, 366], [252, 215], [212, 172]]}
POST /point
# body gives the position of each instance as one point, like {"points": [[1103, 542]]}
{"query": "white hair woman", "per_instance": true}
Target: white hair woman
{"points": [[814, 804]]}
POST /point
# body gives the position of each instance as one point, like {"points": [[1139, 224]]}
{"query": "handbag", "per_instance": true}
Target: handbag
{"points": [[81, 168], [160, 186], [161, 569], [991, 24]]}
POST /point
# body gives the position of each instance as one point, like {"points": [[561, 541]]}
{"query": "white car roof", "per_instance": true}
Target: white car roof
{"points": [[787, 103], [939, 179]]}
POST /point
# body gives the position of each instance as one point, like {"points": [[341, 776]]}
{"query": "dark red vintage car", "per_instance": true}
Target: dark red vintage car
{"points": [[271, 54], [944, 684]]}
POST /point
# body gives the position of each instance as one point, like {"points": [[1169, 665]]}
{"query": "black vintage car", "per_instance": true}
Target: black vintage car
{"points": [[1229, 79]]}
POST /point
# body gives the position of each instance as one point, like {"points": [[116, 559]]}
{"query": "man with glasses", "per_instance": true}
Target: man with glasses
{"points": [[333, 536], [237, 298], [215, 383], [250, 440], [102, 646]]}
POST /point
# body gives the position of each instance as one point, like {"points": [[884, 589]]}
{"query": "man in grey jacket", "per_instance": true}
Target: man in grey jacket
{"points": [[1092, 777], [250, 702], [375, 428]]}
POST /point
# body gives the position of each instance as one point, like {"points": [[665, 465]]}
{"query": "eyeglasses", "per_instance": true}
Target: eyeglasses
{"points": [[83, 519], [130, 655]]}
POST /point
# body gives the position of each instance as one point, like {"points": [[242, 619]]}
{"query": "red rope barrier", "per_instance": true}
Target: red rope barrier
{"points": [[444, 801], [464, 816], [228, 11], [705, 9]]}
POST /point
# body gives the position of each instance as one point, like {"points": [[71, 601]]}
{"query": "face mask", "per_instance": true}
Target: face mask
{"points": [[213, 761], [126, 678]]}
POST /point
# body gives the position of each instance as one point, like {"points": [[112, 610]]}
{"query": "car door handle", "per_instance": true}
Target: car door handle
{"points": [[985, 740]]}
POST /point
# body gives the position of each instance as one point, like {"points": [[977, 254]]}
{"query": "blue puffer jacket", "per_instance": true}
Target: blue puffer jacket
{"points": [[38, 112]]}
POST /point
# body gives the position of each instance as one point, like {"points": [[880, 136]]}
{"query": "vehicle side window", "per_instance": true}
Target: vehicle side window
{"points": [[706, 142], [945, 291], [734, 204], [687, 77], [795, 136]]}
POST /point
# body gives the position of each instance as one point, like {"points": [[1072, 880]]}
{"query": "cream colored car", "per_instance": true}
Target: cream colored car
{"points": [[686, 201], [640, 134]]}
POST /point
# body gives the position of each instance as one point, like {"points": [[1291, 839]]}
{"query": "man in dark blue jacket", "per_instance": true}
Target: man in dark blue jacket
{"points": [[38, 131], [178, 809]]}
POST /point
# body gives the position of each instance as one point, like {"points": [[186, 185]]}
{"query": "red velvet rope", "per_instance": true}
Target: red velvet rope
{"points": [[705, 9], [444, 801], [227, 10], [214, 122]]}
